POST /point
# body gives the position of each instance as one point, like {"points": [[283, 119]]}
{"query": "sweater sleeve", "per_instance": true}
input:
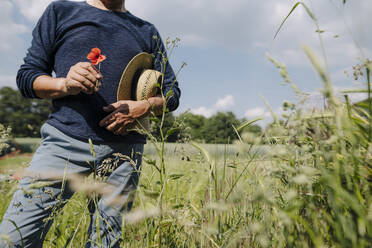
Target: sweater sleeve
{"points": [[170, 84], [39, 59]]}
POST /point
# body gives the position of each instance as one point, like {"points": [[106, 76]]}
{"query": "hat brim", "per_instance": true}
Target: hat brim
{"points": [[141, 61]]}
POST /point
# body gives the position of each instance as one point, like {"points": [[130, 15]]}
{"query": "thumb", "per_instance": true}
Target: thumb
{"points": [[109, 108], [114, 106]]}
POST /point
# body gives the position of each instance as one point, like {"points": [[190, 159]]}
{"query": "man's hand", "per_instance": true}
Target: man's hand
{"points": [[82, 77], [123, 113]]}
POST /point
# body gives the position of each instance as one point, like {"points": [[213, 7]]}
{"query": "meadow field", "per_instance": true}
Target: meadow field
{"points": [[304, 182], [309, 185]]}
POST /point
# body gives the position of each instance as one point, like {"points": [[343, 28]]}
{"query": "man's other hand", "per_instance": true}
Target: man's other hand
{"points": [[123, 113], [82, 77]]}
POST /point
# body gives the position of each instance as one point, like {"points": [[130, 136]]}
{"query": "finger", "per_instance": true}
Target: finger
{"points": [[95, 72], [121, 130], [73, 84], [119, 103], [81, 78], [109, 108], [107, 120], [118, 129], [87, 74], [84, 65], [117, 126], [84, 81], [98, 84], [113, 106], [113, 126]]}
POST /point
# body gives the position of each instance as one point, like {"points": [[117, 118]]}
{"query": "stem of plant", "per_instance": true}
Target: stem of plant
{"points": [[369, 103]]}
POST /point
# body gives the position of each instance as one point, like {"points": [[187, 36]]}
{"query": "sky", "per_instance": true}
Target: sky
{"points": [[225, 43]]}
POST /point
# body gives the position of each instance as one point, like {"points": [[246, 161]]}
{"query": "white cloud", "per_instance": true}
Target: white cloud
{"points": [[241, 21], [222, 104], [229, 24], [256, 112], [33, 9], [241, 25], [248, 26], [207, 112], [262, 112], [9, 29], [225, 102]]}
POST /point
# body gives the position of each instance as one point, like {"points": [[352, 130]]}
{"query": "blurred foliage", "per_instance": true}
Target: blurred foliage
{"points": [[217, 129], [24, 116]]}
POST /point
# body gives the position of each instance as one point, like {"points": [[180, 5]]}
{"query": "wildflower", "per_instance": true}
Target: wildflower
{"points": [[95, 56]]}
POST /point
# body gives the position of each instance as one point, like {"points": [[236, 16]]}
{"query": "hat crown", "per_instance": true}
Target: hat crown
{"points": [[147, 84]]}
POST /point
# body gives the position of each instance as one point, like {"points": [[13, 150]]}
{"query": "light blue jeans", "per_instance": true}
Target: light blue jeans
{"points": [[42, 190]]}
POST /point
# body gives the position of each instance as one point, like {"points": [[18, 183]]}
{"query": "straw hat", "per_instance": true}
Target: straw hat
{"points": [[139, 81]]}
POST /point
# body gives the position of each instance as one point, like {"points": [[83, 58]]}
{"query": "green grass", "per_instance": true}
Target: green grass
{"points": [[288, 196], [14, 163]]}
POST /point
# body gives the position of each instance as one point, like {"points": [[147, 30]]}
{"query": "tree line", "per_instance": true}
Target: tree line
{"points": [[25, 117]]}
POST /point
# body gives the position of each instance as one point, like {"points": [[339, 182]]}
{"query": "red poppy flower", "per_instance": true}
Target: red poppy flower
{"points": [[95, 56]]}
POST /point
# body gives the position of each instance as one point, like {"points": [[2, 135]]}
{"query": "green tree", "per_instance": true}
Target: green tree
{"points": [[218, 128], [256, 129], [195, 126], [172, 129], [24, 116]]}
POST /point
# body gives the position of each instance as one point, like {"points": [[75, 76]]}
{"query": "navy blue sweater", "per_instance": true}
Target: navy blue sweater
{"points": [[64, 35]]}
